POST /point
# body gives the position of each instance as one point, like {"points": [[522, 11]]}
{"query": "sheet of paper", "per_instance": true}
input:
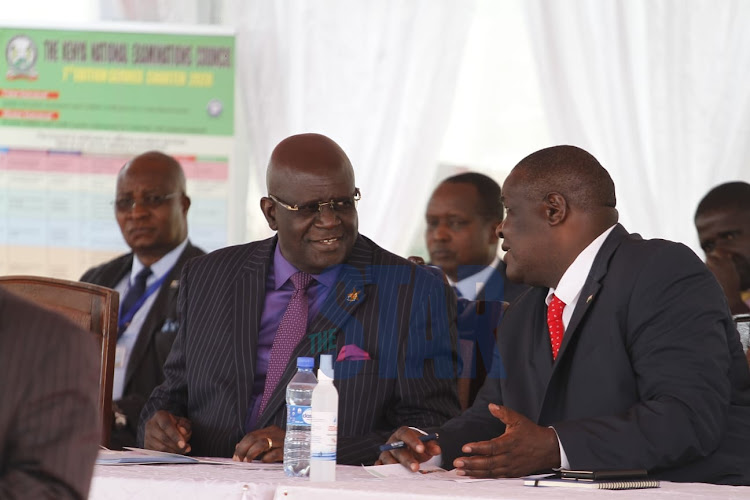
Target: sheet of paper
{"points": [[426, 472]]}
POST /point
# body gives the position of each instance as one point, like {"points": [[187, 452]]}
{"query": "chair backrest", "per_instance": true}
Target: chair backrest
{"points": [[93, 308]]}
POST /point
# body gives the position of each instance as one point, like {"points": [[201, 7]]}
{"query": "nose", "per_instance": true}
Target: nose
{"points": [[499, 230], [327, 216], [440, 232]]}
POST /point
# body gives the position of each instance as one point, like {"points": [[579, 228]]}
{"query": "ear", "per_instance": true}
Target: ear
{"points": [[556, 208], [185, 203], [268, 207], [492, 227]]}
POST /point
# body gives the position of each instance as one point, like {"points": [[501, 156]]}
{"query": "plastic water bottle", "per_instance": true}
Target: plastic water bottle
{"points": [[325, 420], [298, 419]]}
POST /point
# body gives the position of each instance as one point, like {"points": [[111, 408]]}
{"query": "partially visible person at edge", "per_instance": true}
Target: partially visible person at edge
{"points": [[389, 324], [151, 208], [624, 355], [49, 408]]}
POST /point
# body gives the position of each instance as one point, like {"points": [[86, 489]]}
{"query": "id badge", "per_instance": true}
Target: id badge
{"points": [[120, 352]]}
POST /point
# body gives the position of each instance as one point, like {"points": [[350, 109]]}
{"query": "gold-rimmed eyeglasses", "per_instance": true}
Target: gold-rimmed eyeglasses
{"points": [[150, 201], [341, 205]]}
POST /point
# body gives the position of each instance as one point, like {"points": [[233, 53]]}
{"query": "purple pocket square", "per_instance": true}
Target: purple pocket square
{"points": [[351, 352]]}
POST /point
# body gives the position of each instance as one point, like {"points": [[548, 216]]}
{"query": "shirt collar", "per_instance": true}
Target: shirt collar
{"points": [[283, 270], [468, 285], [161, 266], [572, 281]]}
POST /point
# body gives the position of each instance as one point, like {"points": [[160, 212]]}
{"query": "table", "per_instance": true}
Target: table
{"points": [[202, 481]]}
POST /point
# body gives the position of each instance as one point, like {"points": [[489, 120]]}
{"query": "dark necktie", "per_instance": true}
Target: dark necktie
{"points": [[555, 324], [291, 329], [134, 293]]}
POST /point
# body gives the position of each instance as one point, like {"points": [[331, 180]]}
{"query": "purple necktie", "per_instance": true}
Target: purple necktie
{"points": [[291, 329]]}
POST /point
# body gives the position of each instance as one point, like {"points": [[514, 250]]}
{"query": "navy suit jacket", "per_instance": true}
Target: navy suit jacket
{"points": [[399, 313], [650, 373], [151, 348]]}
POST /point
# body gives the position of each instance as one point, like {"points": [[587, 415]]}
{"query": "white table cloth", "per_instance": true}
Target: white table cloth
{"points": [[201, 481]]}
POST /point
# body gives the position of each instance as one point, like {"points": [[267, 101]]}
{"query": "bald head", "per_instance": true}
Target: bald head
{"points": [[152, 206], [306, 155], [169, 168], [560, 198], [572, 172], [311, 202]]}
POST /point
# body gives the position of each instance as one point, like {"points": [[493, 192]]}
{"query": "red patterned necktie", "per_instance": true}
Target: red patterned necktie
{"points": [[291, 329], [555, 324]]}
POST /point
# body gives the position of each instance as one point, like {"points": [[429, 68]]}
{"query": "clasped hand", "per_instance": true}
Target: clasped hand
{"points": [[166, 432], [524, 448]]}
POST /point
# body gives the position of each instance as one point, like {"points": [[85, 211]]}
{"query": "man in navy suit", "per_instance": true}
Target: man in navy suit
{"points": [[462, 216], [151, 208], [390, 324], [623, 355]]}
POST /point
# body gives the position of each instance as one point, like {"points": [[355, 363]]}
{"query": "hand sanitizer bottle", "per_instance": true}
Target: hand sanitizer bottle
{"points": [[324, 430]]}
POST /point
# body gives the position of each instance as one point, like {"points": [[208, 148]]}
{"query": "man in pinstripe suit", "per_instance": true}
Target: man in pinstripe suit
{"points": [[49, 412], [390, 323]]}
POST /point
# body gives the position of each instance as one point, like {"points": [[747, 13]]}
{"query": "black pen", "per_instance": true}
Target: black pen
{"points": [[400, 444]]}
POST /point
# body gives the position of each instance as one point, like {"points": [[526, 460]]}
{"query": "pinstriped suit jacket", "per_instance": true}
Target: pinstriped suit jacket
{"points": [[49, 410], [402, 315]]}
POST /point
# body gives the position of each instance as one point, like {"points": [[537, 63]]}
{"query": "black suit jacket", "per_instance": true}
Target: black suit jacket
{"points": [[650, 373], [49, 403], [150, 351], [399, 313]]}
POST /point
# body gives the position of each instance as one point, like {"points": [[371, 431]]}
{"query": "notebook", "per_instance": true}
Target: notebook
{"points": [[597, 484]]}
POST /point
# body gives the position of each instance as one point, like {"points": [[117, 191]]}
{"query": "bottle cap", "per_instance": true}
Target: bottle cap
{"points": [[326, 366], [305, 362]]}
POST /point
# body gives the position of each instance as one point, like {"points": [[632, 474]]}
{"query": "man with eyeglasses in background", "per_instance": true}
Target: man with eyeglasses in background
{"points": [[151, 209], [316, 287]]}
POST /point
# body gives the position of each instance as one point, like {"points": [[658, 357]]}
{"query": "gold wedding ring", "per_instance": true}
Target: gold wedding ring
{"points": [[270, 443]]}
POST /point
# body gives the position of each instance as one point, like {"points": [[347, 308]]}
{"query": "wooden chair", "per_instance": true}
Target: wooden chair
{"points": [[91, 307]]}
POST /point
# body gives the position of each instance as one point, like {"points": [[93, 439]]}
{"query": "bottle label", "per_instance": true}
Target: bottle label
{"points": [[298, 415], [323, 435]]}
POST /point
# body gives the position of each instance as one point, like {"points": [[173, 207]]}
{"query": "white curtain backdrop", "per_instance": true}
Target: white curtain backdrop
{"points": [[657, 90], [377, 77]]}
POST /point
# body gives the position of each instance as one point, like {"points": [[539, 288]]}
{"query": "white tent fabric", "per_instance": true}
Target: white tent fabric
{"points": [[657, 90], [377, 77]]}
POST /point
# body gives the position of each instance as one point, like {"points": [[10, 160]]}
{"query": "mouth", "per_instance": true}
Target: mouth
{"points": [[328, 243], [140, 231], [441, 255]]}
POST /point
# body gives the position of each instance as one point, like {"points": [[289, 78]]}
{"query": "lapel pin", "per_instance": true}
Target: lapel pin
{"points": [[590, 298], [353, 296], [174, 284]]}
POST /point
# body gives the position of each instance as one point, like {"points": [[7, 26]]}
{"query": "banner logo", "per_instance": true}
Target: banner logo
{"points": [[21, 54]]}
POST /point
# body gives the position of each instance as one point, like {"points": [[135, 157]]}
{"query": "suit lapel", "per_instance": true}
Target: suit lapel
{"points": [[591, 287], [349, 293], [249, 297], [158, 313]]}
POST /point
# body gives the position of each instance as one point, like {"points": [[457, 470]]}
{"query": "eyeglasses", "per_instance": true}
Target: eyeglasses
{"points": [[340, 205], [150, 201]]}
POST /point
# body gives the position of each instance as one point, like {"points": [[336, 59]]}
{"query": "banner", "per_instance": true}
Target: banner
{"points": [[75, 106]]}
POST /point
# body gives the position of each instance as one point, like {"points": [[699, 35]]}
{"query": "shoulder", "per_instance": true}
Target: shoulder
{"points": [[233, 258], [385, 263], [103, 271]]}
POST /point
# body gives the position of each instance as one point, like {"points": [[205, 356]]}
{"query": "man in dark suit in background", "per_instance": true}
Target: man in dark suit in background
{"points": [[462, 216], [622, 356], [49, 408], [151, 209], [390, 324]]}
